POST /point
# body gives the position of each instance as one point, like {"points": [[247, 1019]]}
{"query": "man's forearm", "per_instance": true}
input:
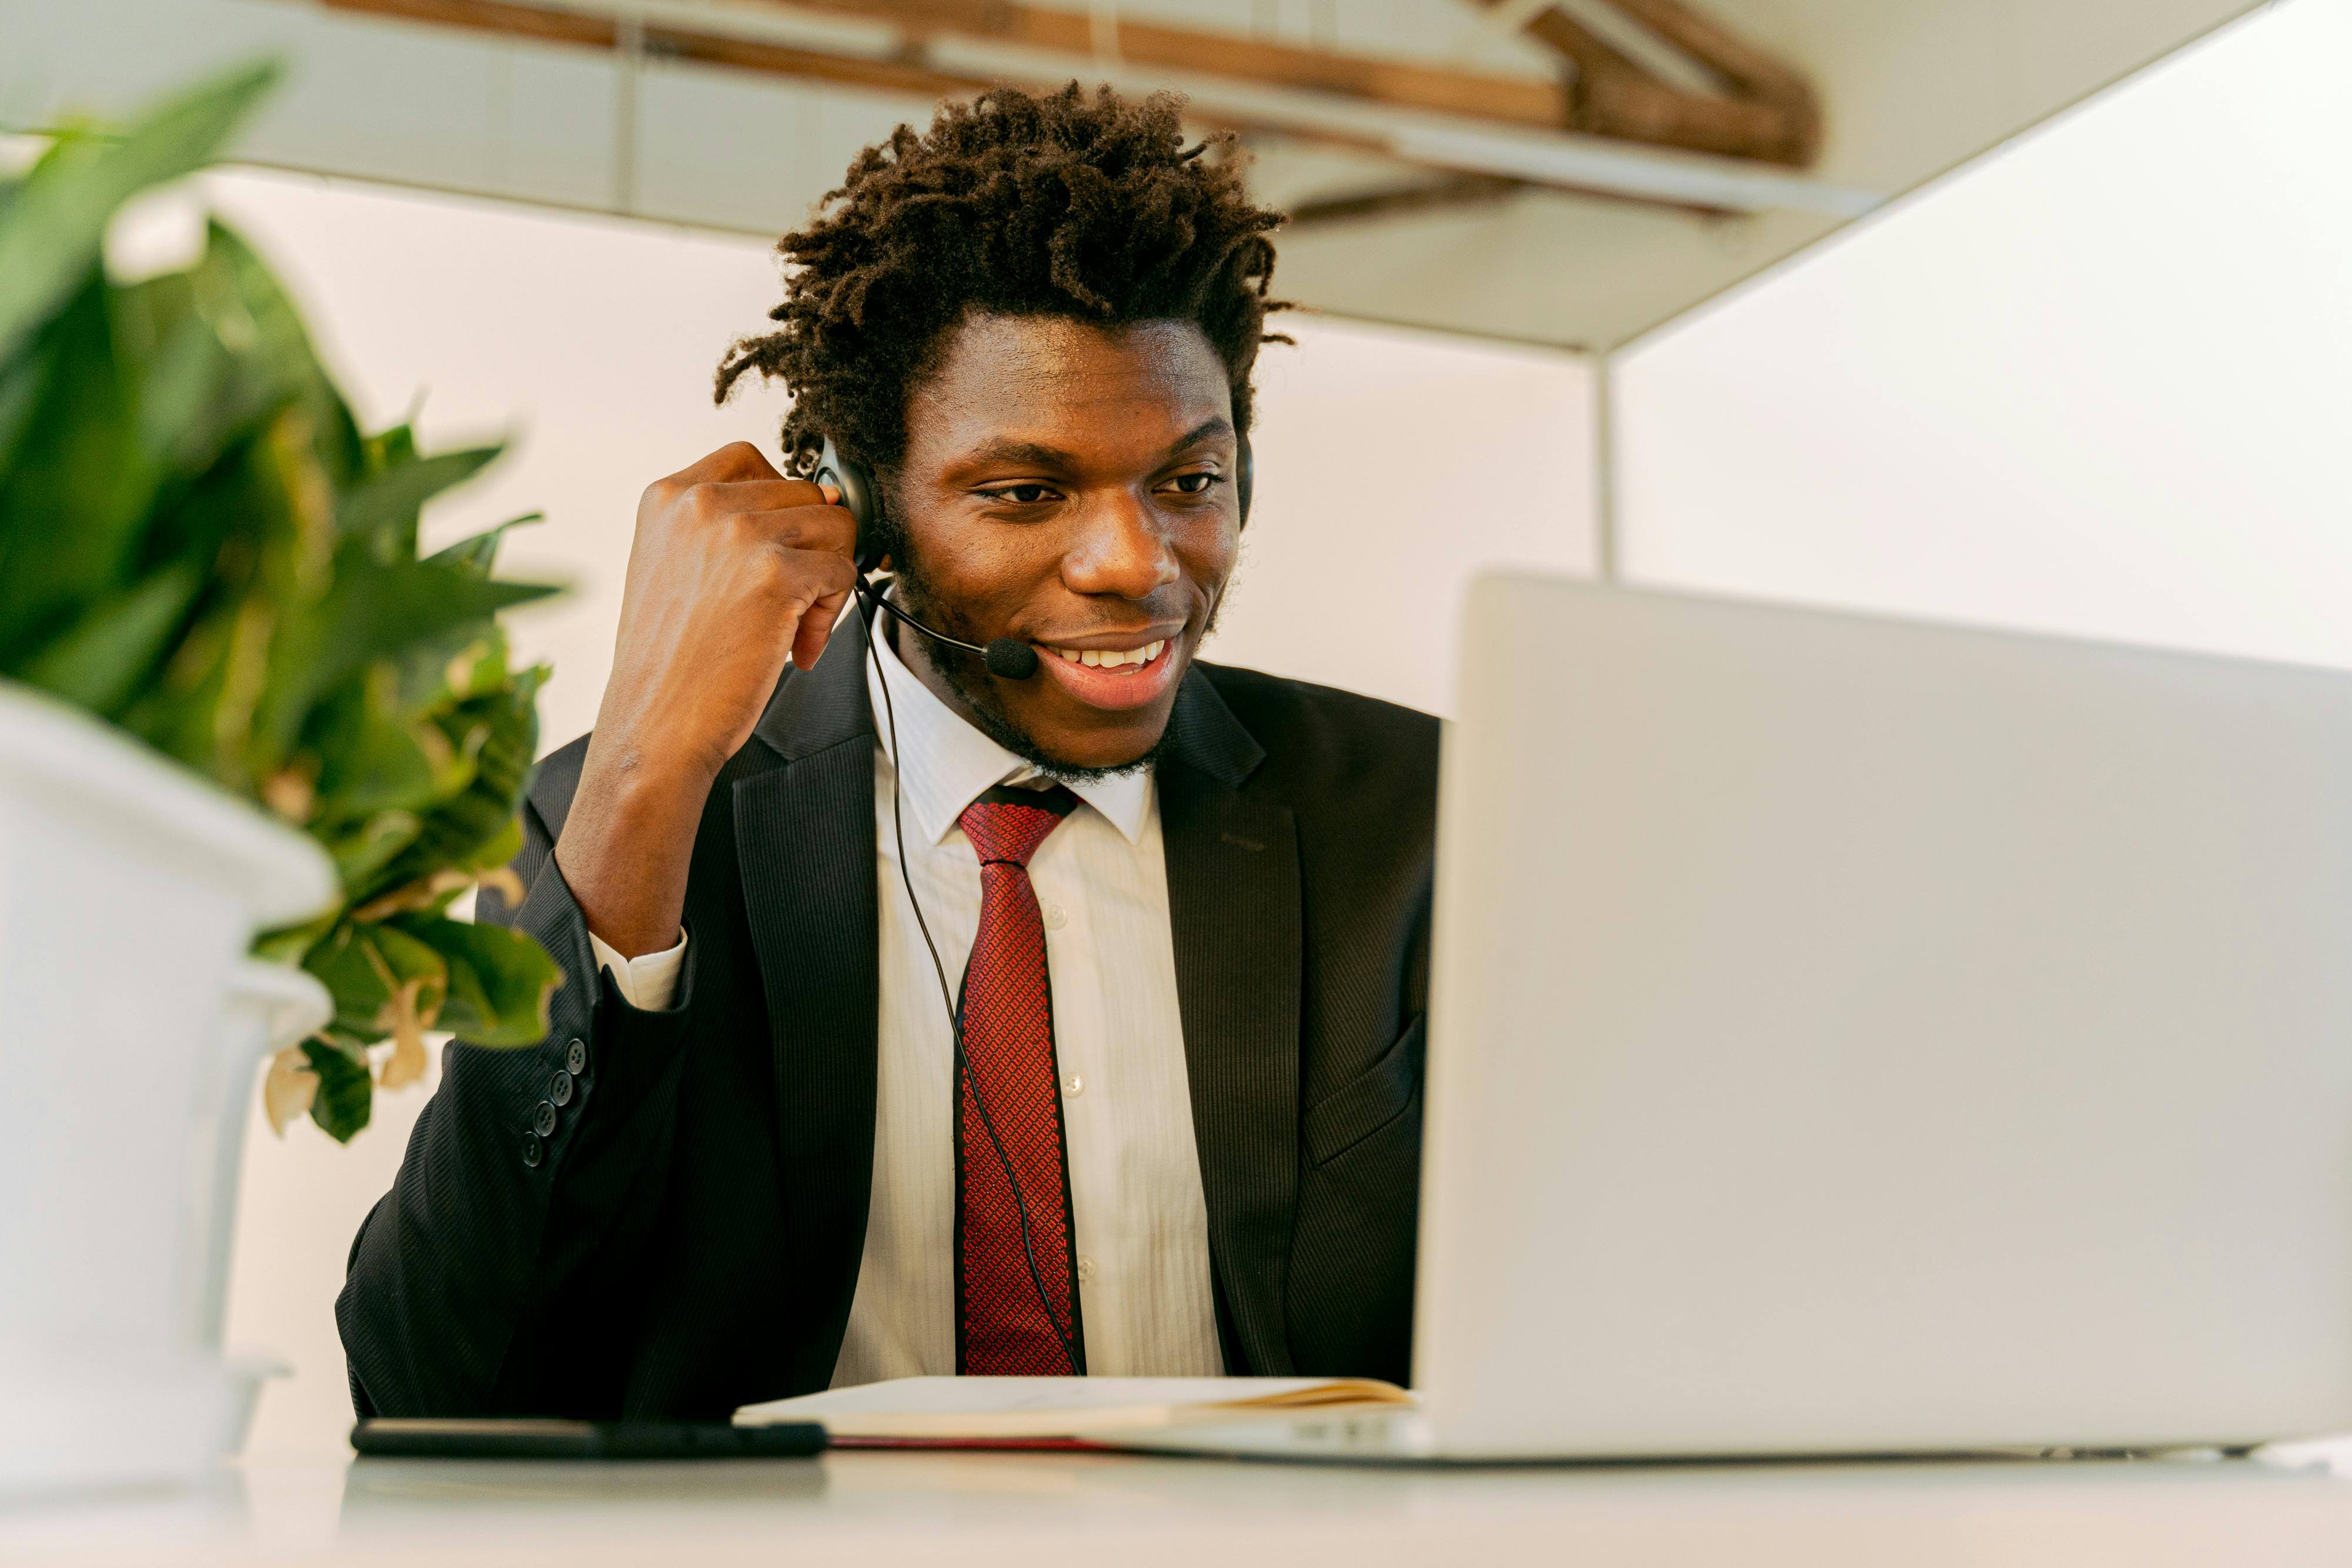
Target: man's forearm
{"points": [[627, 842]]}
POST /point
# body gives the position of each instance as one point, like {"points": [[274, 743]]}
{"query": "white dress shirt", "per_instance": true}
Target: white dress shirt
{"points": [[1140, 1219]]}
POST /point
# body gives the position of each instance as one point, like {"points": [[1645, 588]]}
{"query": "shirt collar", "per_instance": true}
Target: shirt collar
{"points": [[949, 762]]}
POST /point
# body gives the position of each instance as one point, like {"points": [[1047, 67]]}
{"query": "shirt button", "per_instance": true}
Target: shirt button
{"points": [[530, 1150], [559, 1088], [575, 1058], [1085, 1269], [1074, 1084], [1055, 917], [542, 1121]]}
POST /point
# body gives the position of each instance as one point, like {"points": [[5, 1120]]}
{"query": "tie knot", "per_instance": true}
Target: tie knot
{"points": [[1008, 824]]}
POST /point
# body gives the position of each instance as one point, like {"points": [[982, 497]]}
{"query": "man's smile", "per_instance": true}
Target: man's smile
{"points": [[1115, 671]]}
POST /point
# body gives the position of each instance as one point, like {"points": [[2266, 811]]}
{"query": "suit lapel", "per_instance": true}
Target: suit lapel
{"points": [[1233, 909], [804, 836]]}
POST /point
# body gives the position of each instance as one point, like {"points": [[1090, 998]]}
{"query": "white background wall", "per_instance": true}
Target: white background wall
{"points": [[2099, 385], [1391, 466]]}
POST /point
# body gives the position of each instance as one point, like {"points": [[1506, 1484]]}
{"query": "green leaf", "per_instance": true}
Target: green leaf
{"points": [[371, 761], [71, 519], [113, 648], [480, 553], [500, 980], [363, 965], [374, 609], [457, 830], [242, 300], [361, 852], [21, 383], [292, 944], [500, 849], [384, 508], [346, 1095], [387, 448], [55, 226], [201, 710], [207, 369]]}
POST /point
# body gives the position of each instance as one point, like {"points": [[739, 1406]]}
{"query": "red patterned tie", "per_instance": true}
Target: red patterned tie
{"points": [[1016, 1306]]}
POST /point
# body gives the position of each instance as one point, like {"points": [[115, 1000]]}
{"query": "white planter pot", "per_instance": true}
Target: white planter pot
{"points": [[130, 1019]]}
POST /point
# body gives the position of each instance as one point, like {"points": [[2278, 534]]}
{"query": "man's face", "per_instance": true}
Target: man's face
{"points": [[1070, 486]]}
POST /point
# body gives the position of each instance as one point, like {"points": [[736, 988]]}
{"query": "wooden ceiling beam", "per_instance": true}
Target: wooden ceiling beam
{"points": [[603, 31], [1512, 100], [936, 67], [1388, 201], [1768, 111]]}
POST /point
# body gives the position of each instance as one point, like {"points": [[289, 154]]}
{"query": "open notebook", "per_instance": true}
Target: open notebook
{"points": [[1064, 1412]]}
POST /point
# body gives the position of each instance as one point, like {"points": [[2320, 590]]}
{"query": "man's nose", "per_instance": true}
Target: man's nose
{"points": [[1121, 549]]}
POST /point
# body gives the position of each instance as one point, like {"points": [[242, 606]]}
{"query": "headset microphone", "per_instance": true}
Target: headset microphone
{"points": [[1008, 658]]}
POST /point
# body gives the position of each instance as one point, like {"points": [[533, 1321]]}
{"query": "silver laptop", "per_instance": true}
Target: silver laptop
{"points": [[1852, 1036]]}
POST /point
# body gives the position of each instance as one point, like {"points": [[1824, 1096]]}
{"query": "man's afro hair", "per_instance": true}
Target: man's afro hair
{"points": [[1022, 204]]}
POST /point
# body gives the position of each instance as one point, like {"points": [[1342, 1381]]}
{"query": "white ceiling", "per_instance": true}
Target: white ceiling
{"points": [[1909, 88]]}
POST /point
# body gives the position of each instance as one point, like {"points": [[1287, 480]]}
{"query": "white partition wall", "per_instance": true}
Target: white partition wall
{"points": [[2100, 382]]}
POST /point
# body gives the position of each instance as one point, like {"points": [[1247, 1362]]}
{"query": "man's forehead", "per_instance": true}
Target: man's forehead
{"points": [[1015, 378]]}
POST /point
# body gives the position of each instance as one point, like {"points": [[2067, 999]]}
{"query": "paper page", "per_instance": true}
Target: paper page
{"points": [[1048, 1410], [947, 1397]]}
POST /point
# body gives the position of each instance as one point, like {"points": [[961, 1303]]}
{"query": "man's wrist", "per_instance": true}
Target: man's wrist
{"points": [[653, 779]]}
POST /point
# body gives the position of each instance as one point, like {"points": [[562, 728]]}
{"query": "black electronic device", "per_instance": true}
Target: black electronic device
{"points": [[414, 1438]]}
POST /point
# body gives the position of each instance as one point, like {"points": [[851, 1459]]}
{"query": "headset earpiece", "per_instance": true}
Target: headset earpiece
{"points": [[862, 499], [1006, 657], [1243, 473]]}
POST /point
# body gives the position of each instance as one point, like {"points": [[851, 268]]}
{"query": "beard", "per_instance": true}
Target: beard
{"points": [[967, 675]]}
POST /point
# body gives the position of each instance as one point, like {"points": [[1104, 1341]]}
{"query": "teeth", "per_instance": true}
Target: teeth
{"points": [[1113, 658]]}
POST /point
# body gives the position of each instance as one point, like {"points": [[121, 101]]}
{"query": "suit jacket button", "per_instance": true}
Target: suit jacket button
{"points": [[559, 1088], [542, 1121], [532, 1154], [575, 1058]]}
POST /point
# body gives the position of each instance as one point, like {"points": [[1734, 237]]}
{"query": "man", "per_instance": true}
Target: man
{"points": [[1153, 1108]]}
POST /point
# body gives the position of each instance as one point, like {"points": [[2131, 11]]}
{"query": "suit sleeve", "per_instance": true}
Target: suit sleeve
{"points": [[497, 1275]]}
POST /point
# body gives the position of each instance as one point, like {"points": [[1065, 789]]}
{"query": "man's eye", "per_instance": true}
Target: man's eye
{"points": [[1194, 483], [1023, 494]]}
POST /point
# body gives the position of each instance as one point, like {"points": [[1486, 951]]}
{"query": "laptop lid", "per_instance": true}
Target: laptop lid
{"points": [[1857, 1036]]}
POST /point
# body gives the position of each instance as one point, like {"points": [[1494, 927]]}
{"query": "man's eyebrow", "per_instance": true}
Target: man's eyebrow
{"points": [[1039, 455], [1032, 454], [1215, 424]]}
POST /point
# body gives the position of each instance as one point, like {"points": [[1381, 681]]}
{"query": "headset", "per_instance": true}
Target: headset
{"points": [[1009, 659]]}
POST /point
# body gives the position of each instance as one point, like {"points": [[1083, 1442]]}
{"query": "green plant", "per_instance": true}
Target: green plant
{"points": [[198, 544]]}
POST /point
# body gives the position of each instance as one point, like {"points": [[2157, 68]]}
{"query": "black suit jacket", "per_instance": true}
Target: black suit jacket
{"points": [[687, 1237]]}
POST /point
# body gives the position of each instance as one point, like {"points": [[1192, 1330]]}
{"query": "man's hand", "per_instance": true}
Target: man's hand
{"points": [[733, 567]]}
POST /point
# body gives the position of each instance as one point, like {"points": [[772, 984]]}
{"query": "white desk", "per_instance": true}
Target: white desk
{"points": [[976, 1510]]}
